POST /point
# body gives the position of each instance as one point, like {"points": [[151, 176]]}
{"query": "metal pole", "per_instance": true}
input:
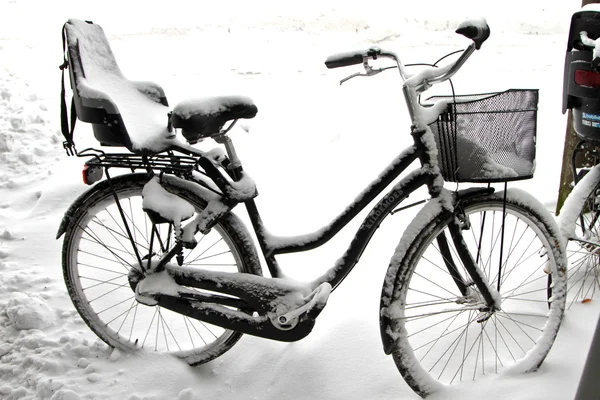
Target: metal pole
{"points": [[589, 384]]}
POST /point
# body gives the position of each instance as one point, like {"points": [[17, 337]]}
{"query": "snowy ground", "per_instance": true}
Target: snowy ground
{"points": [[306, 122]]}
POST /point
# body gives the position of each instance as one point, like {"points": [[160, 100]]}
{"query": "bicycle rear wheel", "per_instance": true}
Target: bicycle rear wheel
{"points": [[98, 255], [442, 336]]}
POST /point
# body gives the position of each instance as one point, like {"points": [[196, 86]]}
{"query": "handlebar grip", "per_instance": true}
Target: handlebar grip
{"points": [[344, 59], [475, 29], [351, 57]]}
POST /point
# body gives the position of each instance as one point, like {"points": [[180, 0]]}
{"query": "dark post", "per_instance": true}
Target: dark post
{"points": [[589, 385]]}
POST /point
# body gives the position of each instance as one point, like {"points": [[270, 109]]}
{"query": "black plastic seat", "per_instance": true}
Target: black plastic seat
{"points": [[199, 119], [131, 113], [122, 112]]}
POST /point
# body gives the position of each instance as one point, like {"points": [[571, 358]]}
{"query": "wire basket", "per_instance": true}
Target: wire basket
{"points": [[487, 137]]}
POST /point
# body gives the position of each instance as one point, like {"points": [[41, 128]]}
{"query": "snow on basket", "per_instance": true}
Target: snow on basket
{"points": [[487, 137]]}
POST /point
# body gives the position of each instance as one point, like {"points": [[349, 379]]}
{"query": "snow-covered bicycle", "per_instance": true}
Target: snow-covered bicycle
{"points": [[155, 260], [579, 217]]}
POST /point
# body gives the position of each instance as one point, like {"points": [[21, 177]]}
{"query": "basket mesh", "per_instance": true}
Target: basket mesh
{"points": [[487, 137]]}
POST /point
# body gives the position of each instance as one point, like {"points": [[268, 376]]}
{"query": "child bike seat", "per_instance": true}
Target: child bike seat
{"points": [[130, 113], [122, 112]]}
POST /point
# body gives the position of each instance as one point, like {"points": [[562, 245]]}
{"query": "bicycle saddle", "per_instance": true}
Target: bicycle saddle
{"points": [[202, 118]]}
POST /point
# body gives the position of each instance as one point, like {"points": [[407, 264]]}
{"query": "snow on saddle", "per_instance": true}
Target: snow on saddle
{"points": [[131, 113]]}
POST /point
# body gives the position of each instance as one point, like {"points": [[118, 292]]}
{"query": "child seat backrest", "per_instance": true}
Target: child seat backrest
{"points": [[122, 112], [577, 55]]}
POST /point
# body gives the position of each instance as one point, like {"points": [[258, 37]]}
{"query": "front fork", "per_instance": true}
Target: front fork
{"points": [[489, 294]]}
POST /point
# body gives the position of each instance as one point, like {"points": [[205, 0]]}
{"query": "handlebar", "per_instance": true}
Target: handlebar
{"points": [[351, 58], [476, 29]]}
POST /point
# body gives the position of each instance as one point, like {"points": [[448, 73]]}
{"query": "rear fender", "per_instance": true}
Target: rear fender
{"points": [[88, 194], [174, 185], [139, 179]]}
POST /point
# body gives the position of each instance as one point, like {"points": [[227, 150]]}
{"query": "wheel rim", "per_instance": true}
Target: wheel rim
{"points": [[447, 338], [99, 267], [584, 254]]}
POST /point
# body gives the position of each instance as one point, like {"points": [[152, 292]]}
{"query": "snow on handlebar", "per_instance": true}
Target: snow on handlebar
{"points": [[475, 29]]}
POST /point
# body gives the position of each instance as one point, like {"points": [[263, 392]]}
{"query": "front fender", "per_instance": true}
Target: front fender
{"points": [[438, 207], [569, 213]]}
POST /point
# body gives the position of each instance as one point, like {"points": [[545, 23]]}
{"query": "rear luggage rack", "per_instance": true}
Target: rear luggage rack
{"points": [[168, 163]]}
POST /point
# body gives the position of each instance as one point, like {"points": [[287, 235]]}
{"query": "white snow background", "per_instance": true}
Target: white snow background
{"points": [[312, 148]]}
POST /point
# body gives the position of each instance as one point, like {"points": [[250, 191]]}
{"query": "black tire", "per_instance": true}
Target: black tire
{"points": [[437, 339], [97, 257]]}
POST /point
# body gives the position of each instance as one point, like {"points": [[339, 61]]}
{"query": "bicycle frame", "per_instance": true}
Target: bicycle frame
{"points": [[423, 150], [427, 175], [424, 176]]}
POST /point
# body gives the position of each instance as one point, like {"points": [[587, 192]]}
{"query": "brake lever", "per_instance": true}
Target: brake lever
{"points": [[369, 72]]}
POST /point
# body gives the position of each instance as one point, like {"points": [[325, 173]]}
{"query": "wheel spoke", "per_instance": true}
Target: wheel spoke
{"points": [[204, 252], [521, 324], [444, 334], [98, 241], [113, 306]]}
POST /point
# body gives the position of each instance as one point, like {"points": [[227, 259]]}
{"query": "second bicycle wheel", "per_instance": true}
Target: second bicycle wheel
{"points": [[98, 255], [443, 334], [583, 249]]}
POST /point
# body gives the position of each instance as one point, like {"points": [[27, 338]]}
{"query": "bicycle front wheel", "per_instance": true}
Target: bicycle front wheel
{"points": [[98, 254], [443, 333]]}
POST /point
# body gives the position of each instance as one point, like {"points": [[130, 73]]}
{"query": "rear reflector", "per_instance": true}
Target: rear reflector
{"points": [[587, 78], [91, 175]]}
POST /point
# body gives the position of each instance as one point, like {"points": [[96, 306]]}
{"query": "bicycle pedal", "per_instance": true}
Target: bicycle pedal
{"points": [[147, 299], [316, 301], [151, 287]]}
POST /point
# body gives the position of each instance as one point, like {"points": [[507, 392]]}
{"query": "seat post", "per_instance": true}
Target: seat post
{"points": [[234, 161]]}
